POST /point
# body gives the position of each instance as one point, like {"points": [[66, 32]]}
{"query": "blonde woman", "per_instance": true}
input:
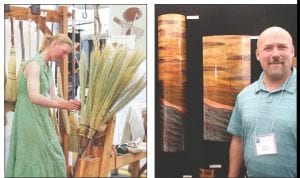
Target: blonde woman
{"points": [[34, 148]]}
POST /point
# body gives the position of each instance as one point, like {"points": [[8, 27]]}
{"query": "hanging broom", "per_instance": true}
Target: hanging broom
{"points": [[8, 106], [29, 38], [11, 83], [22, 49]]}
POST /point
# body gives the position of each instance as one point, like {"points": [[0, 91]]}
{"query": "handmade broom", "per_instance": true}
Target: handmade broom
{"points": [[11, 83], [22, 49]]}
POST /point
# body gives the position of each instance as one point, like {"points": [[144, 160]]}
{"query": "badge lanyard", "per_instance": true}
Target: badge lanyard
{"points": [[266, 144], [257, 111]]}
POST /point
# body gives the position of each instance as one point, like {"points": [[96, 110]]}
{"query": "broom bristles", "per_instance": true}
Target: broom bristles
{"points": [[115, 87], [11, 82], [73, 120], [83, 78]]}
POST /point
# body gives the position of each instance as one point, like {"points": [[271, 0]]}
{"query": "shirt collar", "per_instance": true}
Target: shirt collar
{"points": [[290, 84]]}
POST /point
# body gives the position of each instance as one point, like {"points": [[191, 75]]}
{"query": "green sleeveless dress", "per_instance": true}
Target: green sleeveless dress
{"points": [[34, 149]]}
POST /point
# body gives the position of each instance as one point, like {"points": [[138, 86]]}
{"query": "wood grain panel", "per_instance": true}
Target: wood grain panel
{"points": [[172, 80], [226, 71]]}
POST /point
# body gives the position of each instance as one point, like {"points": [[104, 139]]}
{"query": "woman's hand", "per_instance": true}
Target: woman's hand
{"points": [[71, 105]]}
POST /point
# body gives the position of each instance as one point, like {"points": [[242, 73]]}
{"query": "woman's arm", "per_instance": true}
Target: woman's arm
{"points": [[32, 74], [52, 92]]}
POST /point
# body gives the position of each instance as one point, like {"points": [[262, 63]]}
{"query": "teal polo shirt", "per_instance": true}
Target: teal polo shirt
{"points": [[256, 107]]}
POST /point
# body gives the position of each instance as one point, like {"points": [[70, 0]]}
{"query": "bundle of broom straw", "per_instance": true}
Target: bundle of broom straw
{"points": [[113, 82]]}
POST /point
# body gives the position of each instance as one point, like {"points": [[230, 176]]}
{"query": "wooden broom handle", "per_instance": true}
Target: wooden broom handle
{"points": [[12, 32], [22, 40]]}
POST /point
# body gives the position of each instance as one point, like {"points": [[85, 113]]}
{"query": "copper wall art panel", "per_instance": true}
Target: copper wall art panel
{"points": [[172, 80], [226, 71]]}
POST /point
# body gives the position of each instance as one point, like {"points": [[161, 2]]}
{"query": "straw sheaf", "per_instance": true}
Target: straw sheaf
{"points": [[84, 125], [112, 84], [112, 67]]}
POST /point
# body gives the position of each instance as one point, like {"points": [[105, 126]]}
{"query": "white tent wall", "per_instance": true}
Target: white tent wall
{"points": [[86, 25], [116, 30]]}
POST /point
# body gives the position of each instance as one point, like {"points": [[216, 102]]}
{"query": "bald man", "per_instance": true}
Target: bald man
{"points": [[263, 122]]}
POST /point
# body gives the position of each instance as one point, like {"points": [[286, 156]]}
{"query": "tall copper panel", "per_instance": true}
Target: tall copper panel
{"points": [[172, 80], [226, 71]]}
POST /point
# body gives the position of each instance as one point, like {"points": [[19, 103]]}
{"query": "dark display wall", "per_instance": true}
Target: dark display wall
{"points": [[213, 20]]}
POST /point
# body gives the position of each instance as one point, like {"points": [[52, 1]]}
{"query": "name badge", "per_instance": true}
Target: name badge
{"points": [[265, 145]]}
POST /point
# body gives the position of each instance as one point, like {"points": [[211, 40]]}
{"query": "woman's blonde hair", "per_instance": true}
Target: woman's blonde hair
{"points": [[61, 38]]}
